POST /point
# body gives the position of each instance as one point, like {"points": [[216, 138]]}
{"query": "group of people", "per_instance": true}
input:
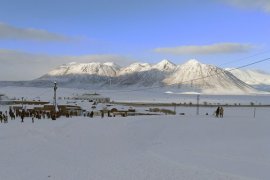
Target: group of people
{"points": [[89, 114], [3, 117], [102, 113], [13, 114], [219, 111]]}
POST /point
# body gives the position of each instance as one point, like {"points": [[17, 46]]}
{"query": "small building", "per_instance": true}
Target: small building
{"points": [[4, 99], [93, 98], [2, 96], [70, 109], [63, 109]]}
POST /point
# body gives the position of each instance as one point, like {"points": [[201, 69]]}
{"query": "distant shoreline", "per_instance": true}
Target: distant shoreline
{"points": [[183, 105]]}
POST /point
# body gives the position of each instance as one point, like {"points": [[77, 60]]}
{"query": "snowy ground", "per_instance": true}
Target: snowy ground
{"points": [[187, 147], [142, 147]]}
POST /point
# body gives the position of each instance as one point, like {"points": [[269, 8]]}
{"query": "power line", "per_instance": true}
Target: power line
{"points": [[250, 64], [244, 58]]}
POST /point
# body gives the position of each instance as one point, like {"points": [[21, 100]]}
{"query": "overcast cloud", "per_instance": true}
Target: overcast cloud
{"points": [[220, 48], [15, 33], [17, 65]]}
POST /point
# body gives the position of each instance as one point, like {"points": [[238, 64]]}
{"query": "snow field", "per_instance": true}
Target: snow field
{"points": [[141, 147]]}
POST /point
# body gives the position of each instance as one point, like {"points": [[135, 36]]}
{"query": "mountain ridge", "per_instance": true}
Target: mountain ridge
{"points": [[191, 75]]}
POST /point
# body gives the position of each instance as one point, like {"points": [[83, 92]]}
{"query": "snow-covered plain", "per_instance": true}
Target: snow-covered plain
{"points": [[142, 147], [190, 146]]}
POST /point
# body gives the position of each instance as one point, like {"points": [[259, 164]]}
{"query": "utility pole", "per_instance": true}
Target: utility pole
{"points": [[198, 103], [54, 97], [174, 105], [22, 103]]}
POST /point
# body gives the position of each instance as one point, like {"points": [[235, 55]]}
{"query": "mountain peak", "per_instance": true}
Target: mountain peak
{"points": [[165, 61], [165, 65], [72, 63], [193, 62]]}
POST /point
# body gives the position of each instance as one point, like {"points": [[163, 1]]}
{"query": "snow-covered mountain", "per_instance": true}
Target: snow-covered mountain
{"points": [[78, 73], [252, 77], [190, 76], [207, 77], [136, 74], [255, 78], [144, 74], [101, 69]]}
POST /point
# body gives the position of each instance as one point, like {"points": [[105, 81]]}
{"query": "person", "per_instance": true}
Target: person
{"points": [[91, 114], [33, 116], [5, 118], [22, 115], [53, 115], [221, 111], [217, 111], [102, 114], [12, 115]]}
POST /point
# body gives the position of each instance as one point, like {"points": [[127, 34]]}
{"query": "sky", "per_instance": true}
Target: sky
{"points": [[37, 36]]}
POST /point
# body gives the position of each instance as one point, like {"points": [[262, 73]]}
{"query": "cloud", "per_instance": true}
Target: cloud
{"points": [[15, 33], [16, 65], [258, 4], [120, 60], [221, 48]]}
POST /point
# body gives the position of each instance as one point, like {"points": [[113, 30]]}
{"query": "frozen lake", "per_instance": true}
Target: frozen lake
{"points": [[154, 96]]}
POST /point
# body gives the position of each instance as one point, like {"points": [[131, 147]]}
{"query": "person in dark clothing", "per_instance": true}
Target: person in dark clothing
{"points": [[22, 115], [91, 114], [221, 112], [102, 114], [5, 118], [217, 111]]}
